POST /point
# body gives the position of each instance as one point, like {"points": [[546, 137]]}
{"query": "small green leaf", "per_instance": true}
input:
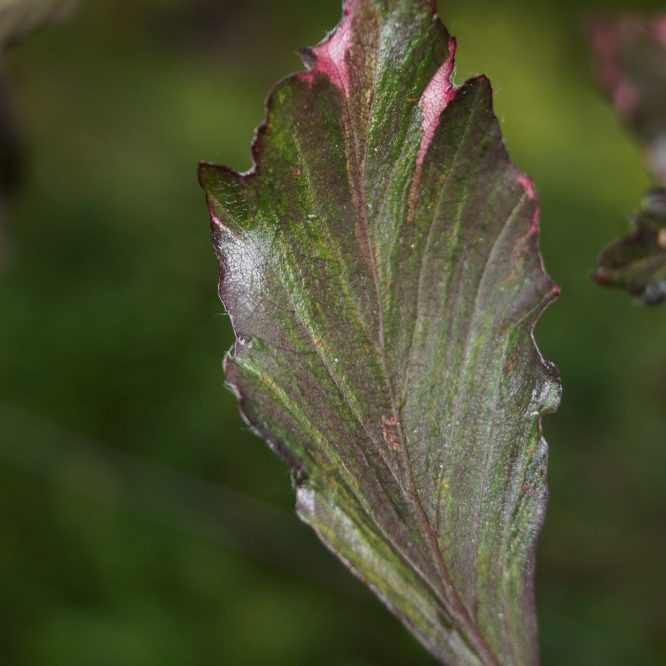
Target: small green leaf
{"points": [[380, 265], [631, 58]]}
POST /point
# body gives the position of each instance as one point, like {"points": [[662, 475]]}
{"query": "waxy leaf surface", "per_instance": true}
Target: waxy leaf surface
{"points": [[631, 59], [380, 265]]}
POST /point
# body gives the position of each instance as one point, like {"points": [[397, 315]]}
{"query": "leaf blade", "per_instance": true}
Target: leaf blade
{"points": [[381, 268]]}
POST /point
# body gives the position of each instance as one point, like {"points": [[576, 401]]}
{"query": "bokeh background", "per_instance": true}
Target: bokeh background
{"points": [[140, 522]]}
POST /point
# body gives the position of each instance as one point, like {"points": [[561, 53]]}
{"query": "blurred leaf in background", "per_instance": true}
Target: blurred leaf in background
{"points": [[631, 58], [140, 548]]}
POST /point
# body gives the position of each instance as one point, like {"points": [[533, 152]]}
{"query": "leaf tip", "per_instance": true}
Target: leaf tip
{"points": [[328, 57], [308, 57], [528, 185], [438, 94], [205, 172]]}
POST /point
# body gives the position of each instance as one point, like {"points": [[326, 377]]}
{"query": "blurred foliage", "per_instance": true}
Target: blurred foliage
{"points": [[129, 552], [631, 58], [20, 17]]}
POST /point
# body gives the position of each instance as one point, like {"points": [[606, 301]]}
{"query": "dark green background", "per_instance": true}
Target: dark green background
{"points": [[140, 522]]}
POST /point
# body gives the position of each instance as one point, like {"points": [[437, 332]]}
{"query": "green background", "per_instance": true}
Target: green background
{"points": [[140, 522]]}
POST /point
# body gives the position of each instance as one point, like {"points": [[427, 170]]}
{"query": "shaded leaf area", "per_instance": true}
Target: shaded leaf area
{"points": [[631, 58], [380, 265]]}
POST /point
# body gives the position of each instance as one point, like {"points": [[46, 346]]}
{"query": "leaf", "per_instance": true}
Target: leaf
{"points": [[631, 59], [637, 262], [380, 266]]}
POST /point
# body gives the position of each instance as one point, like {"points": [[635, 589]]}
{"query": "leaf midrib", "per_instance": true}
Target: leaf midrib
{"points": [[460, 613]]}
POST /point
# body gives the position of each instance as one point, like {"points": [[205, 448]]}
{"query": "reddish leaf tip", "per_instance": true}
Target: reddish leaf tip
{"points": [[439, 93], [530, 190], [328, 57], [528, 185]]}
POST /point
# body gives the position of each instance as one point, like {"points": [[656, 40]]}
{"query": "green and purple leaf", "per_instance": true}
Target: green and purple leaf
{"points": [[631, 59], [380, 266]]}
